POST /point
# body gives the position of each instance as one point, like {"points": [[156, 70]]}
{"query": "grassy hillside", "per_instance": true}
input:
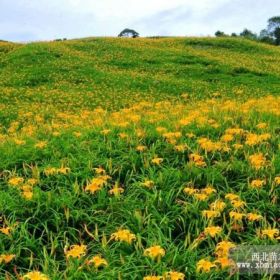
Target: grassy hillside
{"points": [[136, 69], [109, 147]]}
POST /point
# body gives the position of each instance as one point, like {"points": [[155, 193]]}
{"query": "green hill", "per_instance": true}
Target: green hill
{"points": [[137, 158], [123, 69]]}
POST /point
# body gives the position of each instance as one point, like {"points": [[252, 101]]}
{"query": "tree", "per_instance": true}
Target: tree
{"points": [[264, 33], [266, 37], [129, 33], [274, 28], [233, 35], [220, 34], [248, 34], [273, 23], [277, 36]]}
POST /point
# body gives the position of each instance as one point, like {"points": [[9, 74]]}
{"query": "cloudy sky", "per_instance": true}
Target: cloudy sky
{"points": [[32, 20]]}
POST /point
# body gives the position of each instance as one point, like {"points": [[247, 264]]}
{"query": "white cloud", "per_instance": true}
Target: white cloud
{"points": [[49, 19]]}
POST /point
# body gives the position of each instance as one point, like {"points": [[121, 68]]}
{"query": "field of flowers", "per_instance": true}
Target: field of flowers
{"points": [[137, 159]]}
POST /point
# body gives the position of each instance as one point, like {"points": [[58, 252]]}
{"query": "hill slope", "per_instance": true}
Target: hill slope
{"points": [[128, 159], [110, 68]]}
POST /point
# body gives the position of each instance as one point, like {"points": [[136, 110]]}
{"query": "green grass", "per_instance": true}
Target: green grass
{"points": [[53, 92]]}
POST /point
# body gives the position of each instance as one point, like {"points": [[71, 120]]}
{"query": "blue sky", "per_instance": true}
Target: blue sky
{"points": [[32, 20]]}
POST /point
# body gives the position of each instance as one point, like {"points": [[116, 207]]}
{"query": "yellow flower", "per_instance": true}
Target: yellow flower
{"points": [[172, 135], [270, 233], [50, 171], [254, 139], [190, 191], [237, 146], [6, 258], [222, 248], [101, 180], [27, 195], [227, 138], [212, 231], [123, 135], [6, 230], [161, 129], [185, 121], [261, 125], [200, 196], [180, 148], [210, 214], [32, 181], [197, 160], [93, 188], [99, 170], [26, 188], [236, 216], [148, 184], [224, 262], [232, 197], [204, 265], [16, 181], [105, 131], [277, 181], [257, 183], [97, 261], [19, 142], [265, 136], [76, 251], [254, 217], [216, 94], [153, 277], [218, 205], [185, 95], [190, 135], [209, 145], [53, 171], [77, 134], [141, 148], [41, 144], [238, 203], [64, 170], [208, 190], [116, 190], [35, 275], [174, 275], [235, 131], [157, 161], [56, 133], [97, 183], [154, 252], [140, 133], [123, 235], [257, 160]]}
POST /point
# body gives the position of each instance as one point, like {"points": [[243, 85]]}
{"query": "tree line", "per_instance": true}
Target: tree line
{"points": [[270, 35]]}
